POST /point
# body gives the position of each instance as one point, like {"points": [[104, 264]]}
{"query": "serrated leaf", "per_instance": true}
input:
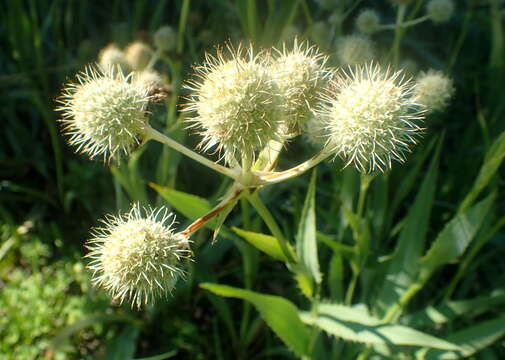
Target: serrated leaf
{"points": [[306, 241], [191, 206], [403, 268], [266, 243], [471, 340], [280, 315], [456, 235], [355, 324]]}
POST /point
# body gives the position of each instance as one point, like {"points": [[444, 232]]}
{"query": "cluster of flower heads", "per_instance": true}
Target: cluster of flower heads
{"points": [[137, 256]]}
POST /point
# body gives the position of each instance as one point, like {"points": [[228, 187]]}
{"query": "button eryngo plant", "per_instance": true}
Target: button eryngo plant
{"points": [[370, 117], [433, 89], [138, 256], [103, 113]]}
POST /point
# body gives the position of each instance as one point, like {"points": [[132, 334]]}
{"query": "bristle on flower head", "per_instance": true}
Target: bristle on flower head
{"points": [[300, 75], [370, 117], [236, 103], [103, 113], [137, 257]]}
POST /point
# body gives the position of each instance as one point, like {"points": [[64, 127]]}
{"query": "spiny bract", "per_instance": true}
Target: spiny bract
{"points": [[104, 113], [300, 75], [137, 257], [370, 117], [237, 105]]}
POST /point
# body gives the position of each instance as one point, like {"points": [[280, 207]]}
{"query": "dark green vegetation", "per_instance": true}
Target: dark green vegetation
{"points": [[433, 225]]}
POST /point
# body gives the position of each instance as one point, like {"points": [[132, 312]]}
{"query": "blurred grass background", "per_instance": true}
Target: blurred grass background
{"points": [[50, 197]]}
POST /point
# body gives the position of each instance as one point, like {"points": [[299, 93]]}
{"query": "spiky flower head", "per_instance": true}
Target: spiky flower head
{"points": [[236, 103], [165, 38], [111, 57], [300, 75], [137, 256], [103, 113], [138, 55], [355, 49], [440, 11], [368, 21], [433, 90], [370, 117]]}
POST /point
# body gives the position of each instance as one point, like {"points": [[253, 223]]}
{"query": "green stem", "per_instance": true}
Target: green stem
{"points": [[272, 225], [400, 15], [156, 135], [405, 24], [395, 310], [352, 287], [183, 20], [366, 180]]}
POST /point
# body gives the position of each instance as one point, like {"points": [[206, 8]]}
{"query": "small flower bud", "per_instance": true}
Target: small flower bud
{"points": [[103, 113], [440, 11], [110, 57], [138, 55], [434, 90], [370, 118], [137, 256], [165, 38], [368, 21], [237, 105], [300, 74], [147, 78], [355, 49]]}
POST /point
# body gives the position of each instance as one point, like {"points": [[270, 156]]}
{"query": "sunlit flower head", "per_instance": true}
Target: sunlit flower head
{"points": [[300, 75], [236, 104], [370, 117], [147, 78], [138, 55], [137, 257], [103, 113], [111, 57]]}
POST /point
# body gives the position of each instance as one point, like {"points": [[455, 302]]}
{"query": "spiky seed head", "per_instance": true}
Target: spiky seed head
{"points": [[165, 38], [236, 103], [370, 117], [368, 21], [355, 49], [137, 256], [440, 11], [111, 57], [147, 79], [300, 74], [103, 113], [433, 90], [138, 55]]}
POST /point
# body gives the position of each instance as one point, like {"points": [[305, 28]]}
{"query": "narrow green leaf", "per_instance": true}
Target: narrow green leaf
{"points": [[450, 310], [355, 324], [471, 339], [492, 162], [165, 355], [123, 346], [403, 268], [191, 206], [280, 314], [266, 243], [306, 241], [456, 235]]}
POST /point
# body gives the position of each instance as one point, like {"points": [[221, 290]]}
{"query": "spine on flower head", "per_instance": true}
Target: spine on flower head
{"points": [[138, 257]]}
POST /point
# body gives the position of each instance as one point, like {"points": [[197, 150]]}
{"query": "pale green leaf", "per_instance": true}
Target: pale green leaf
{"points": [[266, 243], [280, 315], [355, 324], [306, 241]]}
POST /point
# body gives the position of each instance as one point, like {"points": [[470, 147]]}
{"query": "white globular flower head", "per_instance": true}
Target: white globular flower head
{"points": [[440, 11], [137, 257], [147, 79], [433, 89], [138, 55], [355, 49], [368, 21], [110, 57], [165, 38], [103, 113], [300, 74], [370, 117], [237, 105]]}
